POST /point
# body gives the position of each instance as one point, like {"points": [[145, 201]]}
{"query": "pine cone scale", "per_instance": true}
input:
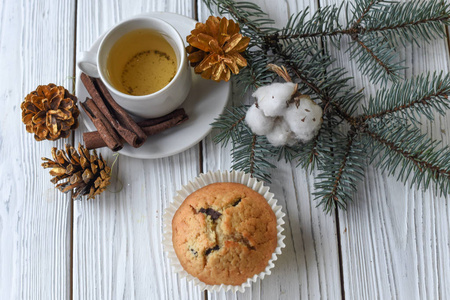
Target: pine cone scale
{"points": [[75, 177], [198, 42], [94, 168], [55, 103], [196, 57], [66, 104], [224, 29], [214, 45], [27, 118], [232, 65], [232, 42], [209, 61], [60, 158], [39, 130], [39, 118], [240, 61], [58, 171], [242, 45]]}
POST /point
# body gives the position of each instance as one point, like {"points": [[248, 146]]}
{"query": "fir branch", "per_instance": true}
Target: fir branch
{"points": [[422, 157], [411, 99], [344, 169], [377, 27], [308, 155], [324, 22], [407, 21], [249, 16], [362, 7], [424, 19], [376, 58], [256, 73], [286, 153], [251, 155], [229, 124], [364, 10]]}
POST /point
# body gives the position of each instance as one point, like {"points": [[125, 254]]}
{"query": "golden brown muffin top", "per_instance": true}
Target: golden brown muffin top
{"points": [[224, 233]]}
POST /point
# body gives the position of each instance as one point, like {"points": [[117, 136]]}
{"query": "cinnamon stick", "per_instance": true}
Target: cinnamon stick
{"points": [[175, 114], [93, 139], [120, 120], [169, 123], [106, 131]]}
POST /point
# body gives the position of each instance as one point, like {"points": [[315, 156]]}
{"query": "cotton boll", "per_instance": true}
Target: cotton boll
{"points": [[305, 120], [257, 121], [281, 134], [272, 98]]}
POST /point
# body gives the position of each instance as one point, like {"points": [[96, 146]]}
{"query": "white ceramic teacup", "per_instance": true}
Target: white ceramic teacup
{"points": [[94, 63]]}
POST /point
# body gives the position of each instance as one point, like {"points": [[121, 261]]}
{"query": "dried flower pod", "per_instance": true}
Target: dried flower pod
{"points": [[215, 48], [85, 173], [50, 112]]}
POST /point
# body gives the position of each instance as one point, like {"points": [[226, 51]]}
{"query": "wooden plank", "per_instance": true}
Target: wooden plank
{"points": [[36, 42], [395, 240], [118, 238], [309, 265]]}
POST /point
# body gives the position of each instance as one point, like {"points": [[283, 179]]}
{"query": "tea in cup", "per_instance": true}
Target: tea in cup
{"points": [[143, 63]]}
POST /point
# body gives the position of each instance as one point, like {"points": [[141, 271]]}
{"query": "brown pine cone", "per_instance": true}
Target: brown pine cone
{"points": [[86, 174], [215, 48], [50, 112]]}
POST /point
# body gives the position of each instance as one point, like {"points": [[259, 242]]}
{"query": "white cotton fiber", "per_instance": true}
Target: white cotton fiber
{"points": [[305, 120], [280, 123], [272, 98], [281, 134], [257, 121]]}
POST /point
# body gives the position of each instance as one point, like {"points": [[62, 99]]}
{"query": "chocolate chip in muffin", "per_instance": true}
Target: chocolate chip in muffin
{"points": [[210, 212], [237, 202], [193, 252], [209, 250]]}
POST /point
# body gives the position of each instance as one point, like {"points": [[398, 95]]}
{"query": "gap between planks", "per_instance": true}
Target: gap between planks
{"points": [[200, 145], [71, 222], [336, 214]]}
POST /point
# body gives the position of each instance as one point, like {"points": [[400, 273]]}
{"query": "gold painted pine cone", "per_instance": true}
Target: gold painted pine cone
{"points": [[50, 112], [215, 48], [86, 174]]}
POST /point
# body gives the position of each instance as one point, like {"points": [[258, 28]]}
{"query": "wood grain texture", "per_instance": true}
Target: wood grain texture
{"points": [[36, 46], [309, 265], [118, 250], [395, 241]]}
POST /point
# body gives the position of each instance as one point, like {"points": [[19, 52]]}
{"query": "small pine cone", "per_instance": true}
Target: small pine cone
{"points": [[50, 112], [86, 174], [215, 48]]}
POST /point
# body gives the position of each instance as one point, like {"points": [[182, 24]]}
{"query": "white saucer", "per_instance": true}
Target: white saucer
{"points": [[204, 103]]}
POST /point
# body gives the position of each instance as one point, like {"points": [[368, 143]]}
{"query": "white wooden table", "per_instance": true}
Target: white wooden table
{"points": [[393, 242]]}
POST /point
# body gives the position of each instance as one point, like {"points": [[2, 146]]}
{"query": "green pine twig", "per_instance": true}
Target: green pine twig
{"points": [[343, 169], [422, 95], [420, 158]]}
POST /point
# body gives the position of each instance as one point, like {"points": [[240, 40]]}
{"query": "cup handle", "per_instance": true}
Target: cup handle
{"points": [[87, 62]]}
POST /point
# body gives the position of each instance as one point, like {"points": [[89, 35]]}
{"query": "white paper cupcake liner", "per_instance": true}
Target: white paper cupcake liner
{"points": [[204, 180]]}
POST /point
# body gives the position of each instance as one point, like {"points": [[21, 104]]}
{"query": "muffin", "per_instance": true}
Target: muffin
{"points": [[224, 233]]}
